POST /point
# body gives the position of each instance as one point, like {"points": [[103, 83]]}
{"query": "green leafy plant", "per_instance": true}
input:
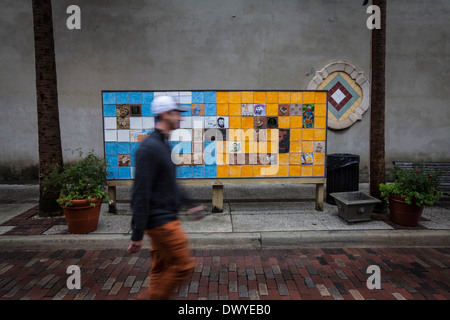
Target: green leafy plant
{"points": [[418, 185], [82, 179]]}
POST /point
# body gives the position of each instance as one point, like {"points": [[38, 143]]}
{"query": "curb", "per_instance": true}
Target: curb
{"points": [[244, 240]]}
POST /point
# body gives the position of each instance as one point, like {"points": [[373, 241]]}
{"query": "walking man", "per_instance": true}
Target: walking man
{"points": [[156, 199]]}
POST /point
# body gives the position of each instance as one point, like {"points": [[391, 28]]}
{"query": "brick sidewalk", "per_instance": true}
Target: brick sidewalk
{"points": [[317, 274]]}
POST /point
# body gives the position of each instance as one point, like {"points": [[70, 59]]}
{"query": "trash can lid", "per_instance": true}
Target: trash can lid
{"points": [[340, 160]]}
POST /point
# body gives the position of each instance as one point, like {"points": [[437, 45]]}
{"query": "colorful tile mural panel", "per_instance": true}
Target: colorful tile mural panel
{"points": [[224, 134]]}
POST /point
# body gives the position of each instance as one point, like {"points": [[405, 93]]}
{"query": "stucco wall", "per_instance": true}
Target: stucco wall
{"points": [[225, 45]]}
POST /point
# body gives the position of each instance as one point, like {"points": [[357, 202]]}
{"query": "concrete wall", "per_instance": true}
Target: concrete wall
{"points": [[224, 45]]}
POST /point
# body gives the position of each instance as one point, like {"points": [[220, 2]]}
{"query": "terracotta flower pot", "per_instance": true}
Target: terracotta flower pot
{"points": [[81, 217], [404, 214]]}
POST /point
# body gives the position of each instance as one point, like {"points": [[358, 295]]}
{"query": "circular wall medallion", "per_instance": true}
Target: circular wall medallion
{"points": [[348, 93]]}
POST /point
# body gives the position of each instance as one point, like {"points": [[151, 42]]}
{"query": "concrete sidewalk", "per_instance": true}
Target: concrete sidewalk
{"points": [[254, 217]]}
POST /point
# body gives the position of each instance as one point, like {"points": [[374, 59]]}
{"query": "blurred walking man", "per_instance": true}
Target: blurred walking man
{"points": [[156, 199]]}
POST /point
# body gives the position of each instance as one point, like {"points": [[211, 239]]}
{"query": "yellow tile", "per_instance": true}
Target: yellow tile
{"points": [[235, 97], [284, 122], [220, 147], [308, 146], [294, 171], [249, 146], [257, 171], [283, 171], [296, 97], [248, 134], [259, 97], [283, 159], [296, 146], [269, 171], [319, 134], [296, 134], [272, 109], [272, 97], [234, 134], [307, 134], [318, 170], [247, 171], [222, 171], [320, 110], [307, 171], [295, 158], [222, 159], [321, 97], [296, 122], [284, 97], [222, 96], [235, 171], [222, 109], [272, 135], [235, 122], [261, 147], [247, 96], [319, 158], [308, 97], [320, 122], [234, 109], [247, 122]]}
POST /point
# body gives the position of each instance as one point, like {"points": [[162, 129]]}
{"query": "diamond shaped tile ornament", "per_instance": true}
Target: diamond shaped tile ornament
{"points": [[348, 93]]}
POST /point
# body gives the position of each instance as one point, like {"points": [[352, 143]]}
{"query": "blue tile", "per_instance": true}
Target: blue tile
{"points": [[187, 113], [210, 96], [134, 147], [147, 110], [133, 160], [210, 159], [109, 98], [211, 145], [135, 97], [210, 109], [124, 148], [124, 173], [110, 147], [122, 97], [210, 172], [198, 97], [109, 110], [112, 173], [147, 97], [112, 160], [184, 172], [181, 147], [198, 171]]}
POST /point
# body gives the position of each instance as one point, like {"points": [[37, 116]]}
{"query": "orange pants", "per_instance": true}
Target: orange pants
{"points": [[172, 260]]}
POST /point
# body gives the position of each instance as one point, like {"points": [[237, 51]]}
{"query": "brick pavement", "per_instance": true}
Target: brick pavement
{"points": [[267, 274]]}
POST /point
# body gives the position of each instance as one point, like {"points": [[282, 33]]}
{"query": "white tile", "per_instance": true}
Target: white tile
{"points": [[123, 135], [185, 99], [110, 135], [148, 122], [186, 122], [181, 135], [136, 123], [197, 122], [111, 123], [211, 122]]}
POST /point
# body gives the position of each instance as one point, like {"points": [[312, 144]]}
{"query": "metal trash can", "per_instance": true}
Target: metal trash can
{"points": [[342, 174]]}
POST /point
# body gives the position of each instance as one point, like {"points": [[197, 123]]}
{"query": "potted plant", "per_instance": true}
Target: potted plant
{"points": [[411, 190], [82, 185]]}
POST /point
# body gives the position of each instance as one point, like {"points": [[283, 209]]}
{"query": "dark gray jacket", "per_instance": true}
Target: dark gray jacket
{"points": [[156, 197]]}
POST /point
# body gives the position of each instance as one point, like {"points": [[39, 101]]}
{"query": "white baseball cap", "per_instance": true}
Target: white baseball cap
{"points": [[165, 103]]}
